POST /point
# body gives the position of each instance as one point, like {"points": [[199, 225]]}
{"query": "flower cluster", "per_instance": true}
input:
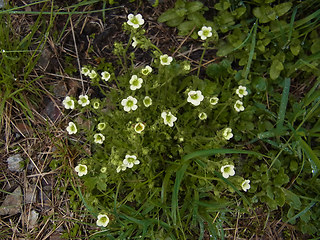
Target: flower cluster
{"points": [[228, 170], [128, 162]]}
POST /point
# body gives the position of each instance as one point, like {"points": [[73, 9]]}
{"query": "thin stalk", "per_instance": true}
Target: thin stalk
{"points": [[202, 56]]}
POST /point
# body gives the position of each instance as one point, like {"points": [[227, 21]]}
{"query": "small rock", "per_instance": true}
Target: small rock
{"points": [[32, 219], [30, 194], [60, 89], [51, 110], [12, 203], [15, 163], [1, 3]]}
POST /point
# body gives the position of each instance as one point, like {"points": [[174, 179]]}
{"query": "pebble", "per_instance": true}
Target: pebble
{"points": [[15, 163]]}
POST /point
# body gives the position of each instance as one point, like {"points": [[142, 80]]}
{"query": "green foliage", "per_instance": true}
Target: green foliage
{"points": [[152, 197], [266, 46], [186, 16]]}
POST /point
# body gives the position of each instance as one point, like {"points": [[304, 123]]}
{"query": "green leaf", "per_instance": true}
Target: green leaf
{"points": [[281, 178], [315, 47], [224, 49], [175, 22], [280, 197], [275, 69], [194, 6], [222, 5], [282, 8], [295, 47], [260, 83], [218, 70], [264, 13], [167, 16], [186, 27], [292, 199], [312, 157], [181, 12]]}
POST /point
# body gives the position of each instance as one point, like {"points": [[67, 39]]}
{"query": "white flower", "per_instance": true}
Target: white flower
{"points": [[165, 59], [93, 74], [103, 170], [227, 133], [195, 97], [101, 126], [186, 66], [72, 128], [130, 103], [205, 32], [105, 75], [130, 160], [238, 106], [99, 138], [227, 170], [168, 118], [139, 127], [68, 103], [214, 100], [145, 71], [245, 185], [147, 101], [121, 167], [85, 71], [135, 42], [135, 21], [241, 91], [96, 104], [135, 82], [81, 169], [202, 116], [103, 220], [84, 100]]}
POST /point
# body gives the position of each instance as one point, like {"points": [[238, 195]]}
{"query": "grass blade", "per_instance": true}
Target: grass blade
{"points": [[312, 157], [175, 194], [251, 53], [210, 152], [283, 104]]}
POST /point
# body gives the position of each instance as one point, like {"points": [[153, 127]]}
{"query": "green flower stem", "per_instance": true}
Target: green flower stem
{"points": [[224, 107], [156, 48], [126, 49], [180, 106], [201, 59]]}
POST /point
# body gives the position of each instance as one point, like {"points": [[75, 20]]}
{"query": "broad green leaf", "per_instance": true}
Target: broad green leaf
{"points": [[167, 16], [224, 49], [194, 6], [281, 178], [280, 198], [181, 12], [186, 27], [222, 5], [275, 69], [239, 12], [315, 47], [282, 8], [260, 13], [292, 199], [175, 22], [295, 47]]}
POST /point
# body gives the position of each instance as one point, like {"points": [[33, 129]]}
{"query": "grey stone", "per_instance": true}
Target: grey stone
{"points": [[12, 203], [1, 3], [15, 163]]}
